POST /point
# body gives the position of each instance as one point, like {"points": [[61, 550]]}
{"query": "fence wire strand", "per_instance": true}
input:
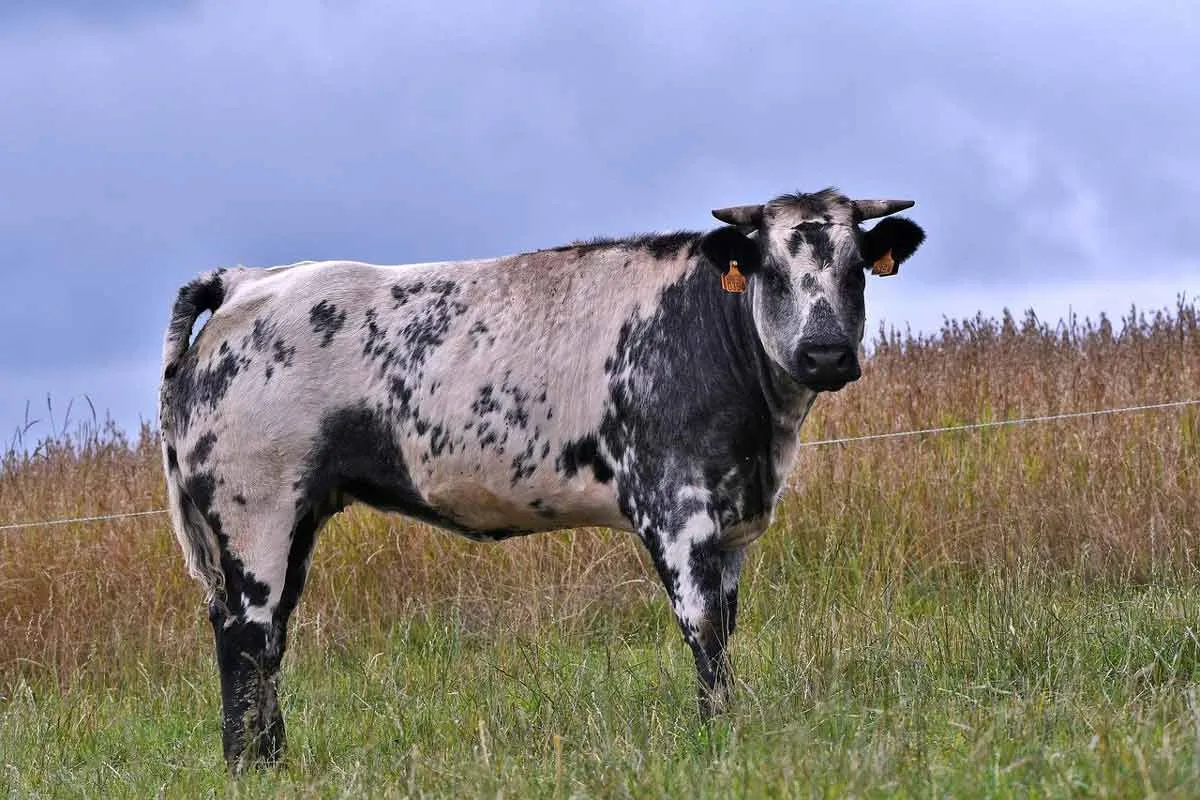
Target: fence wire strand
{"points": [[974, 426], [47, 523], [970, 426]]}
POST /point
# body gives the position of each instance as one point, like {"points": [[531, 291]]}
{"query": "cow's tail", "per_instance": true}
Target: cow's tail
{"points": [[206, 293], [198, 540]]}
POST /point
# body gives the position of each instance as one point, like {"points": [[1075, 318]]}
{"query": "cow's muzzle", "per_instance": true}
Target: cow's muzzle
{"points": [[826, 367]]}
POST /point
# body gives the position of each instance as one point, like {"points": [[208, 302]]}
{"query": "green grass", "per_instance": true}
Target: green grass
{"points": [[1005, 682]]}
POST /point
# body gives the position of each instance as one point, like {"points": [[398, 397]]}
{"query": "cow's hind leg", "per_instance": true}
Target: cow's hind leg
{"points": [[265, 560], [701, 579]]}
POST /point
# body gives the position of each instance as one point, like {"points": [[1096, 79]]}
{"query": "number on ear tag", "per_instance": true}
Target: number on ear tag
{"points": [[884, 266], [733, 281]]}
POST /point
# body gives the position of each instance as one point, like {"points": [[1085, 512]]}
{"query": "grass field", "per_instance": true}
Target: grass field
{"points": [[1006, 612]]}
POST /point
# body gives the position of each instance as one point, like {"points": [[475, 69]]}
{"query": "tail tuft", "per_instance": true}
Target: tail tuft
{"points": [[197, 539]]}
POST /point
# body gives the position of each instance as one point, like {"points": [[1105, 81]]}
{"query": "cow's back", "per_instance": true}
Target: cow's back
{"points": [[456, 390]]}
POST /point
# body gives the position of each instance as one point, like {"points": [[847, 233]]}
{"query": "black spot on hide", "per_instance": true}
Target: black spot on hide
{"points": [[582, 453], [326, 320], [816, 236], [202, 388], [355, 452], [283, 354], [202, 450]]}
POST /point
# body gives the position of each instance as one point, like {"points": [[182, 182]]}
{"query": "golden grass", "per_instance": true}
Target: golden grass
{"points": [[1115, 498]]}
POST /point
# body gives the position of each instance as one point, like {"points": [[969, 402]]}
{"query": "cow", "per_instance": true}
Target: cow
{"points": [[654, 384]]}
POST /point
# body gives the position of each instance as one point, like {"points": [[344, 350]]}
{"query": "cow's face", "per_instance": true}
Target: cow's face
{"points": [[806, 260]]}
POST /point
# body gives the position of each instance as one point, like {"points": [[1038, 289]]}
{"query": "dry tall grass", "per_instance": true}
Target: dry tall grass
{"points": [[1114, 497]]}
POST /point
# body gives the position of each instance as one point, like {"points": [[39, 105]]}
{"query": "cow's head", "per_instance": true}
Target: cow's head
{"points": [[806, 258]]}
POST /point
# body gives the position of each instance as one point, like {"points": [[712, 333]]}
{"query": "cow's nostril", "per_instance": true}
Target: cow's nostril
{"points": [[843, 361]]}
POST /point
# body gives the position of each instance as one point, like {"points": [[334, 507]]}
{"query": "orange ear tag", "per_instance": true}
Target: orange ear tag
{"points": [[884, 266], [733, 281]]}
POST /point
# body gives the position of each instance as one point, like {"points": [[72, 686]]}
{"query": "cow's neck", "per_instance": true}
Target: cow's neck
{"points": [[787, 401]]}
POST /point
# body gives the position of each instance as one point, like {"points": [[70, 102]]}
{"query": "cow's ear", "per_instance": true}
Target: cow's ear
{"points": [[728, 245], [890, 243]]}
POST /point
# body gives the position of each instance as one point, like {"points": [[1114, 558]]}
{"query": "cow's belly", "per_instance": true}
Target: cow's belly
{"points": [[482, 501]]}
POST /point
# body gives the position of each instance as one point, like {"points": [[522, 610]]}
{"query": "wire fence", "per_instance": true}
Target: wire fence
{"points": [[975, 426], [969, 426], [49, 523]]}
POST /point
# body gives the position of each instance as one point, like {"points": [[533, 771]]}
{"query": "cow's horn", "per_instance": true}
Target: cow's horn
{"points": [[872, 209], [742, 216]]}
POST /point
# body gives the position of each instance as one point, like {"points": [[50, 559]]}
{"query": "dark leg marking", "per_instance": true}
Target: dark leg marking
{"points": [[703, 592], [248, 656]]}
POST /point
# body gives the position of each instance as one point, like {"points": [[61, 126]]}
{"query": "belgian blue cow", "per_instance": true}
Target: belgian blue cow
{"points": [[654, 384]]}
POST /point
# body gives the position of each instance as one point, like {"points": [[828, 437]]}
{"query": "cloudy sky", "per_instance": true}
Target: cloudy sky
{"points": [[1051, 146]]}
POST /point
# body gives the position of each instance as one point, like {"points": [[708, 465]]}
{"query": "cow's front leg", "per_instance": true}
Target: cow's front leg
{"points": [[701, 579]]}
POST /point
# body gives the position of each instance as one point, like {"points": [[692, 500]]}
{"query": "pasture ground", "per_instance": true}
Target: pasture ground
{"points": [[1011, 612], [998, 685]]}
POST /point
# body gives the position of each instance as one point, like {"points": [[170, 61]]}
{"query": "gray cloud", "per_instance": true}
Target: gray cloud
{"points": [[1045, 144]]}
